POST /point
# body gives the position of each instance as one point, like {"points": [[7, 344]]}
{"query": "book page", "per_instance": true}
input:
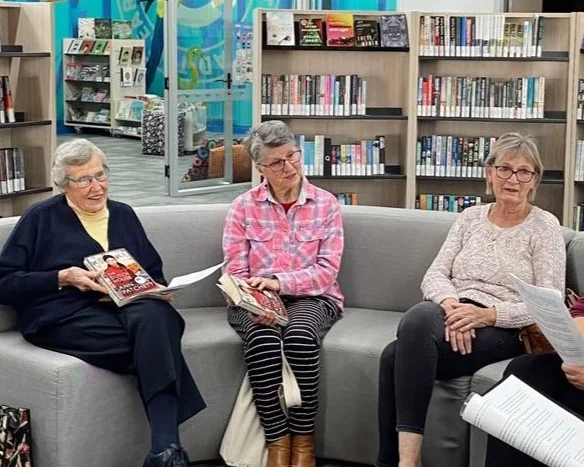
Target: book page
{"points": [[522, 417], [180, 282], [547, 308]]}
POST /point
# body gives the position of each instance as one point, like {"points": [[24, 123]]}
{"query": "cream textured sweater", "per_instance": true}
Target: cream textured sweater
{"points": [[477, 257]]}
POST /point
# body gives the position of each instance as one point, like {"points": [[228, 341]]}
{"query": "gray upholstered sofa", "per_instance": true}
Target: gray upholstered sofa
{"points": [[85, 416]]}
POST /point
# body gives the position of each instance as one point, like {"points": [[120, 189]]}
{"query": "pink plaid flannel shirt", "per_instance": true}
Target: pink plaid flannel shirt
{"points": [[302, 249]]}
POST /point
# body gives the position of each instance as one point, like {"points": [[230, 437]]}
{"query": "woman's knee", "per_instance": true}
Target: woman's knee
{"points": [[158, 313], [531, 367], [263, 339], [300, 335], [423, 318]]}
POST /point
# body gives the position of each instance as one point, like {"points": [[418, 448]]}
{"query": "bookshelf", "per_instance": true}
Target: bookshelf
{"points": [[93, 84], [510, 52], [386, 72], [27, 58]]}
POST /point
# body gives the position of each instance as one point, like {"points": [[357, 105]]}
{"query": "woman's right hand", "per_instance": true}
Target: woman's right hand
{"points": [[268, 319], [459, 341], [84, 280]]}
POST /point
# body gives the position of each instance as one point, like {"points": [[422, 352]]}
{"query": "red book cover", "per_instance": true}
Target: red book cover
{"points": [[339, 30]]}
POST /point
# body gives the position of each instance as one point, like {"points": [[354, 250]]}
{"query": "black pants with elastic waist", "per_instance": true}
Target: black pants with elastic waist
{"points": [[411, 364], [542, 372], [142, 338]]}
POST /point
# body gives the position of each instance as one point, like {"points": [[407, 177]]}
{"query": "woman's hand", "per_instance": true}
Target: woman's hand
{"points": [[262, 283], [459, 341], [447, 303], [575, 375], [267, 319], [84, 280], [464, 316]]}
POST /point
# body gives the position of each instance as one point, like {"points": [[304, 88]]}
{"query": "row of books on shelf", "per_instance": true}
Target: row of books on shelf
{"points": [[81, 72], [481, 36], [579, 162], [362, 158], [480, 97], [580, 107], [130, 109], [104, 28], [132, 77], [337, 30], [89, 47], [452, 156], [450, 203], [349, 198], [326, 95], [6, 104], [90, 94], [12, 173], [578, 218], [78, 115]]}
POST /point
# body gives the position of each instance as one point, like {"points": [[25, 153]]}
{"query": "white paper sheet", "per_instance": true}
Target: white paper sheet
{"points": [[180, 282], [547, 308]]}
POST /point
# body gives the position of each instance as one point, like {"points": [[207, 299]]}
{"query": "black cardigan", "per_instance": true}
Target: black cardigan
{"points": [[50, 237]]}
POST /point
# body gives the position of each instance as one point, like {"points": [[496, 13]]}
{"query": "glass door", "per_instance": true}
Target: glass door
{"points": [[208, 65]]}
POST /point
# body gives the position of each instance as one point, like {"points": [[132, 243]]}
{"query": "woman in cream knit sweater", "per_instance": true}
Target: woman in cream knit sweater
{"points": [[472, 312]]}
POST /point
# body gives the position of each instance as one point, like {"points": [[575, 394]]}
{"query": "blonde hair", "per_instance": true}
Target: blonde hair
{"points": [[514, 144]]}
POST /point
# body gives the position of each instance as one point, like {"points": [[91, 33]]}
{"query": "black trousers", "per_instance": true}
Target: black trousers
{"points": [[310, 318], [544, 373], [142, 338], [411, 364]]}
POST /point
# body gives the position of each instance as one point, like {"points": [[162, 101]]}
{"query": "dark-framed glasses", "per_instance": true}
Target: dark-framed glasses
{"points": [[85, 181], [279, 164], [522, 175]]}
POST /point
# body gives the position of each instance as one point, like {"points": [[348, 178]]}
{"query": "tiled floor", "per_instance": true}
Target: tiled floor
{"points": [[139, 180]]}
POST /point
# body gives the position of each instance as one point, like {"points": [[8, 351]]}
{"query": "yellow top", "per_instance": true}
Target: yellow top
{"points": [[95, 223]]}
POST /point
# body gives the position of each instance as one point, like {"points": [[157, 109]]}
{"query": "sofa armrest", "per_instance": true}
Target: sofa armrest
{"points": [[7, 318]]}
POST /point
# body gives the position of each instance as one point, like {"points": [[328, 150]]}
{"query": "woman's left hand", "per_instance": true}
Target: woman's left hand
{"points": [[264, 283], [465, 316], [574, 374]]}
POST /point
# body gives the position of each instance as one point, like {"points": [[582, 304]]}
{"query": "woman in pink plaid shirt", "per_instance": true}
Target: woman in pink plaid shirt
{"points": [[285, 235]]}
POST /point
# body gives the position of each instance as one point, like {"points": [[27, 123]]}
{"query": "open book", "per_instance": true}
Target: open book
{"points": [[547, 308], [127, 281], [256, 301], [527, 420]]}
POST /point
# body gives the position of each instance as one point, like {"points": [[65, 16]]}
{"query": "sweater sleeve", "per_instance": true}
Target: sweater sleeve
{"points": [[18, 282], [549, 270], [436, 284]]}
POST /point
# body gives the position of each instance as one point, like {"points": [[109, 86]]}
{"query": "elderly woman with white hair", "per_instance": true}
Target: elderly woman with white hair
{"points": [[285, 235], [60, 304], [472, 312]]}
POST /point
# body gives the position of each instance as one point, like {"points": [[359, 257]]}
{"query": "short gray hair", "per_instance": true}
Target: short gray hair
{"points": [[515, 144], [74, 153], [270, 134]]}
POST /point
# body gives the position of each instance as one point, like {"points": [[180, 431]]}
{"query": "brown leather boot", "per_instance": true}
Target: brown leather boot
{"points": [[303, 451], [279, 452]]}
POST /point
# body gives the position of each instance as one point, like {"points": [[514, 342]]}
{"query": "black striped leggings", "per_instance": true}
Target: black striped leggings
{"points": [[309, 321]]}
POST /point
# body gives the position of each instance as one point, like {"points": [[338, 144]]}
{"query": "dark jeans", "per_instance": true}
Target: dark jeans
{"points": [[142, 338], [420, 355], [544, 373]]}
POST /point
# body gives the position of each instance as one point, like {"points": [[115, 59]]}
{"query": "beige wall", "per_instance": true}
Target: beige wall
{"points": [[524, 5]]}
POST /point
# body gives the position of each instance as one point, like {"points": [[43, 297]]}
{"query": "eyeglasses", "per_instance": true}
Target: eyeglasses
{"points": [[85, 181], [522, 175], [279, 164]]}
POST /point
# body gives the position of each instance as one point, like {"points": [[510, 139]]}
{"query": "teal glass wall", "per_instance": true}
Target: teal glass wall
{"points": [[200, 41]]}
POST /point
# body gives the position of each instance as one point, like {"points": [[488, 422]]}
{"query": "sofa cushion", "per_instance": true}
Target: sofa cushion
{"points": [[7, 318], [346, 422]]}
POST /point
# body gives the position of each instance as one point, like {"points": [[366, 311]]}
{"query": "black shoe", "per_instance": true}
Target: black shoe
{"points": [[174, 456]]}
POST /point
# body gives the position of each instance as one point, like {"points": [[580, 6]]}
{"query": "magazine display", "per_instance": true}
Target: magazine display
{"points": [[256, 301], [127, 281], [524, 418]]}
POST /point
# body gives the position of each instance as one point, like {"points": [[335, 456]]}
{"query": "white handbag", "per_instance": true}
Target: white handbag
{"points": [[243, 443]]}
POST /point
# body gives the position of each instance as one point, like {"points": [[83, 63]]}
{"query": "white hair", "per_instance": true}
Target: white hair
{"points": [[74, 153]]}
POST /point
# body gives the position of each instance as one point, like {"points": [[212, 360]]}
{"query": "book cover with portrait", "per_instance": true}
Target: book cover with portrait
{"points": [[122, 275], [239, 293]]}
